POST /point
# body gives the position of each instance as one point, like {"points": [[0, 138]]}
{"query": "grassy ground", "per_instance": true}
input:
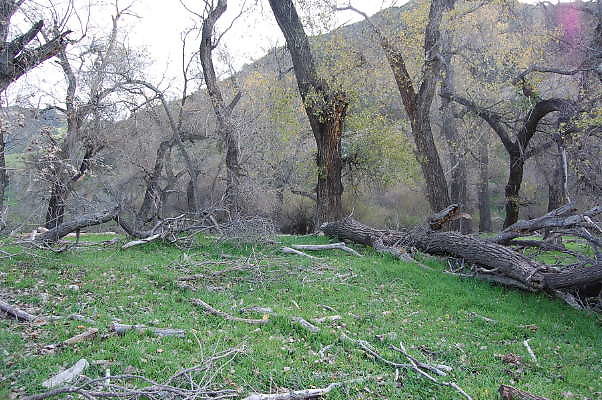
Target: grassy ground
{"points": [[380, 300]]}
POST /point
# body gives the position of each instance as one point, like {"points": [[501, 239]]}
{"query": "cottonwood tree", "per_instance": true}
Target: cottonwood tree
{"points": [[18, 57], [325, 108], [418, 98], [223, 111]]}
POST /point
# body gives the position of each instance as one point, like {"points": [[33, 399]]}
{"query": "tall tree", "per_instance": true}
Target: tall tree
{"points": [[81, 143], [417, 99], [223, 111], [16, 59], [325, 108]]}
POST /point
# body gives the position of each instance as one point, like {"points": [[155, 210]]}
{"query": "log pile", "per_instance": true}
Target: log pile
{"points": [[495, 259]]}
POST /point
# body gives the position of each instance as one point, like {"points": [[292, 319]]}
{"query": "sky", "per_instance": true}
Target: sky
{"points": [[158, 24]]}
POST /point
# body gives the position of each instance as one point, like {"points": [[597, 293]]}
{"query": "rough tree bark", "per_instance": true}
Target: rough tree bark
{"points": [[458, 185], [485, 224], [518, 149], [557, 187], [223, 111], [3, 173], [496, 263], [325, 109], [418, 104]]}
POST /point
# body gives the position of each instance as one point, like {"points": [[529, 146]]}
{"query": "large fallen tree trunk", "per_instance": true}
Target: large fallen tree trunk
{"points": [[83, 221], [492, 261]]}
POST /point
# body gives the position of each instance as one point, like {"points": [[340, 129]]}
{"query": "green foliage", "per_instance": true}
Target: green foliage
{"points": [[379, 149]]}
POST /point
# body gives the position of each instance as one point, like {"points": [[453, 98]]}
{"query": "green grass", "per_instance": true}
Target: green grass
{"points": [[430, 312]]}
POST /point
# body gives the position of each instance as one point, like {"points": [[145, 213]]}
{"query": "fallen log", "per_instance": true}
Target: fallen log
{"points": [[121, 329], [494, 262], [511, 393], [67, 375], [80, 222], [16, 312]]}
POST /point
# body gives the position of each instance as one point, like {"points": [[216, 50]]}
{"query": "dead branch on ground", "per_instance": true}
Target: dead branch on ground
{"points": [[511, 393], [492, 261], [17, 312], [121, 329], [195, 382]]}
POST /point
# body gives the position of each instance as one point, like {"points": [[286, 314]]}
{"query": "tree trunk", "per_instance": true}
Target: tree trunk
{"points": [[417, 104], [223, 111], [3, 173], [330, 186], [512, 192], [557, 188], [428, 158], [484, 200], [56, 206], [326, 110], [458, 185], [232, 196]]}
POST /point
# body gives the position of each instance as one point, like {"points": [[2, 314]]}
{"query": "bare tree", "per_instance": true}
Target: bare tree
{"points": [[417, 100], [325, 108], [16, 59], [82, 142], [517, 147], [223, 111]]}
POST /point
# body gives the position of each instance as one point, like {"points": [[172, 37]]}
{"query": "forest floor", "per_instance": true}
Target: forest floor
{"points": [[474, 327]]}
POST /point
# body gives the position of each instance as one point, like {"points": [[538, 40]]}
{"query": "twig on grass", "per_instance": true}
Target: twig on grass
{"points": [[208, 308], [307, 393], [530, 351], [511, 393], [190, 383], [67, 375], [418, 369], [440, 369], [289, 250], [331, 246], [89, 334], [305, 324], [122, 329], [17, 312]]}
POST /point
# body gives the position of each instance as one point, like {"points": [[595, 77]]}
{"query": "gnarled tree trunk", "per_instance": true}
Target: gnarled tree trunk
{"points": [[325, 109]]}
